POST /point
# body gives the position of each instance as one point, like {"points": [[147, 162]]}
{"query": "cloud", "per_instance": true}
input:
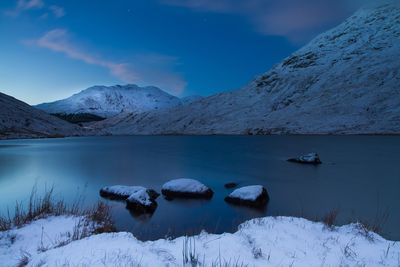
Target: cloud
{"points": [[26, 5], [29, 4], [58, 11], [150, 69], [292, 19]]}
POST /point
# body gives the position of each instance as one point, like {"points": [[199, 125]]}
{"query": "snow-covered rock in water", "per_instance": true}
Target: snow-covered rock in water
{"points": [[186, 188], [252, 195], [20, 120], [107, 101], [345, 81], [123, 192], [141, 201], [311, 158]]}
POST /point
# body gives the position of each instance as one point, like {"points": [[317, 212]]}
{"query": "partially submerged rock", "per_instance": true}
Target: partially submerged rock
{"points": [[186, 188], [253, 195], [122, 192], [311, 158], [230, 185], [141, 201]]}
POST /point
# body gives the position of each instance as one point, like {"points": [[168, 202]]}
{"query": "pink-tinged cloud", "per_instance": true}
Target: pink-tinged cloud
{"points": [[148, 69], [292, 19]]}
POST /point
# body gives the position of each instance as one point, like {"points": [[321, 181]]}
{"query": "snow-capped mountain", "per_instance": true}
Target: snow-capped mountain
{"points": [[107, 101], [19, 120], [346, 80]]}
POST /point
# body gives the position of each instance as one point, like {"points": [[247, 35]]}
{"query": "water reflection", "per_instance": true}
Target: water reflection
{"points": [[360, 176]]}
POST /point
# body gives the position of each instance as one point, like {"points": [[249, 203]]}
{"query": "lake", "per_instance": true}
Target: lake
{"points": [[360, 177]]}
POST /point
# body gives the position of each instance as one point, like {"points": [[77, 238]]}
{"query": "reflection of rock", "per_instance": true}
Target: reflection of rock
{"points": [[254, 196], [140, 216], [311, 158], [186, 188], [122, 192], [230, 185], [141, 201]]}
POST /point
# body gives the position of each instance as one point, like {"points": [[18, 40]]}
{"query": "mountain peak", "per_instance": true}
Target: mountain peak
{"points": [[107, 101]]}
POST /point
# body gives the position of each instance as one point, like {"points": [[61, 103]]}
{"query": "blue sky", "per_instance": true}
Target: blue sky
{"points": [[52, 49]]}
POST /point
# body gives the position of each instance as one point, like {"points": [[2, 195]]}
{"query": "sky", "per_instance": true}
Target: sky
{"points": [[51, 49]]}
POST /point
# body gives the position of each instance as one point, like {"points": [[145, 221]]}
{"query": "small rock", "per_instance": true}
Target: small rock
{"points": [[311, 158], [186, 188], [253, 195], [141, 202]]}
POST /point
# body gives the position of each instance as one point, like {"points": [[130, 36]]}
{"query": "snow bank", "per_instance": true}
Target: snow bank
{"points": [[38, 236], [311, 158], [187, 188], [269, 241], [253, 195]]}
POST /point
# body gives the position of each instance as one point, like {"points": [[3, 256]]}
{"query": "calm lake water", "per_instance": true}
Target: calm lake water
{"points": [[360, 176]]}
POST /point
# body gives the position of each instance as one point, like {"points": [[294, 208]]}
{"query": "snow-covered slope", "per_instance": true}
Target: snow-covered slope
{"points": [[269, 241], [19, 120], [346, 80], [107, 101]]}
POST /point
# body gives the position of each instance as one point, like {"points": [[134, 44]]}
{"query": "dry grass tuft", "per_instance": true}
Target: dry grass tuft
{"points": [[330, 219], [44, 206]]}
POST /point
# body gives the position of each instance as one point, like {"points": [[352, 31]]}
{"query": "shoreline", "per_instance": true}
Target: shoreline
{"points": [[202, 135]]}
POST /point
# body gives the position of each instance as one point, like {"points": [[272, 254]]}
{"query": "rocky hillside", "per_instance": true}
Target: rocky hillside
{"points": [[19, 120], [345, 81], [108, 101]]}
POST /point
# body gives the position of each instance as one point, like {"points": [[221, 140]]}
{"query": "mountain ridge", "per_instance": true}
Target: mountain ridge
{"points": [[20, 120], [345, 81]]}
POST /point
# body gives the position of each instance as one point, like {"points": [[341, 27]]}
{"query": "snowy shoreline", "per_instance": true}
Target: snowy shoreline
{"points": [[268, 241]]}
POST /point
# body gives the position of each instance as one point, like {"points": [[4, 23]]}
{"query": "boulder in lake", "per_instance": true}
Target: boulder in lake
{"points": [[122, 192], [186, 188], [253, 195], [141, 202], [311, 158]]}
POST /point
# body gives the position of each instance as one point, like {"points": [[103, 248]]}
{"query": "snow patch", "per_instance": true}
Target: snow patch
{"points": [[185, 185], [120, 191], [251, 192]]}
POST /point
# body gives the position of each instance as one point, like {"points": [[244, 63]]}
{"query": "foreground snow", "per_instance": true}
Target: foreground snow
{"points": [[38, 236], [270, 241]]}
